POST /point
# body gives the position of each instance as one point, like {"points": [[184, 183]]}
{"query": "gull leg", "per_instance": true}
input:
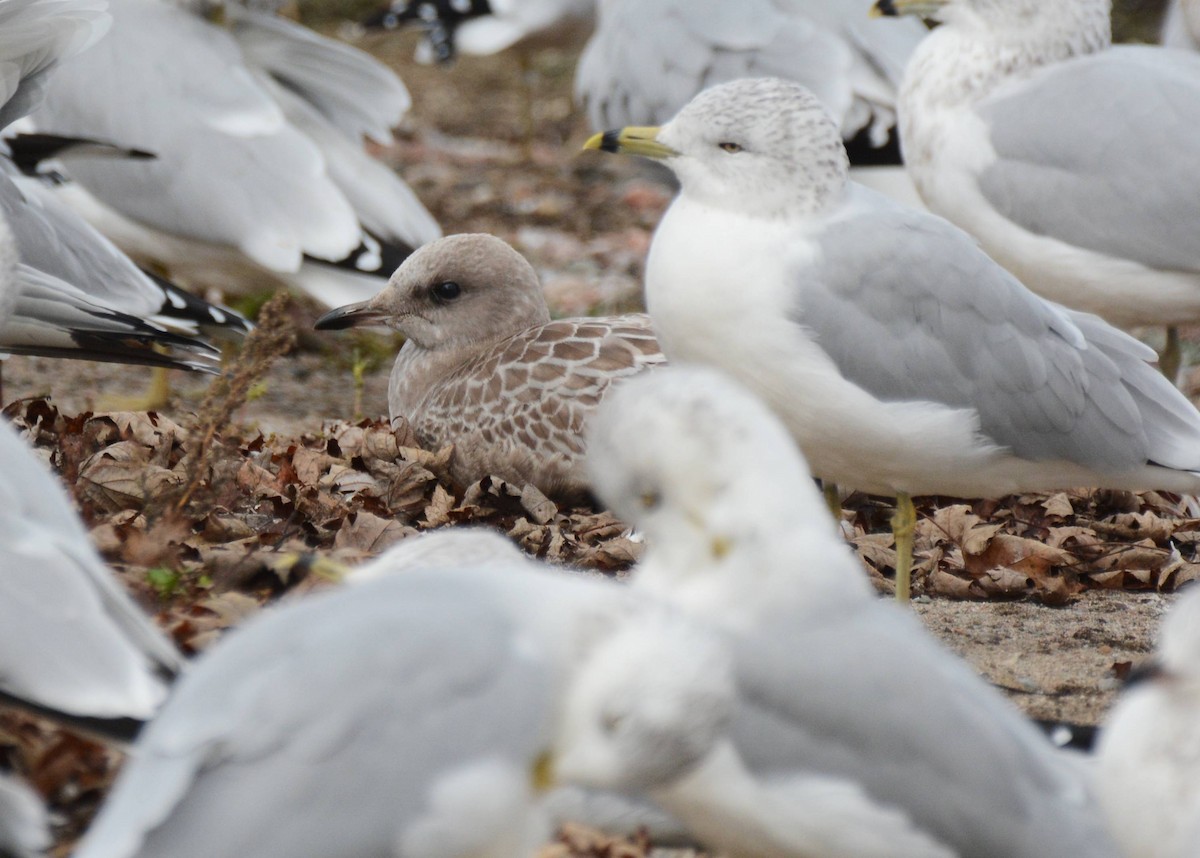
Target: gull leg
{"points": [[830, 490], [904, 522], [157, 394], [1170, 358]]}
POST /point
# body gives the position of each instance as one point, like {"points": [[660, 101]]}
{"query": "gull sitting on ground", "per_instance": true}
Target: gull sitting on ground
{"points": [[1074, 162], [902, 358], [1149, 748], [840, 695], [485, 369], [413, 714]]}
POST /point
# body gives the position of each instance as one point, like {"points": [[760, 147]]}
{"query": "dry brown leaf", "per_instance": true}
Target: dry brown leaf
{"points": [[370, 533], [437, 512]]}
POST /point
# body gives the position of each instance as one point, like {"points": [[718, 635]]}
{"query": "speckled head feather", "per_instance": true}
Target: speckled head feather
{"points": [[763, 145], [462, 290]]}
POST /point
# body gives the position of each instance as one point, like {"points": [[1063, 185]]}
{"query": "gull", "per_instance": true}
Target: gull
{"points": [[1181, 24], [74, 294], [24, 828], [480, 27], [902, 358], [73, 645], [648, 58], [1071, 160], [1148, 773], [257, 130], [854, 732], [412, 714], [485, 369]]}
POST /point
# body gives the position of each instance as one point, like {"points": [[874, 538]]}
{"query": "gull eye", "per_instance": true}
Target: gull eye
{"points": [[649, 499], [731, 148], [445, 292]]}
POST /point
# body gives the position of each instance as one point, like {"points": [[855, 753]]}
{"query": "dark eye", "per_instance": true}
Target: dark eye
{"points": [[444, 293], [731, 148]]}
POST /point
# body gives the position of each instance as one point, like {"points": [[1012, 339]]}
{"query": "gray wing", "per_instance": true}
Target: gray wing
{"points": [[909, 308], [34, 36], [861, 692], [229, 168], [71, 639], [320, 728], [1101, 152], [351, 89], [648, 58], [24, 827]]}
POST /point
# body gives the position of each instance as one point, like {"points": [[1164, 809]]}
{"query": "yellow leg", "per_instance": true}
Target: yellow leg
{"points": [[1171, 357], [832, 500], [904, 522], [157, 394]]}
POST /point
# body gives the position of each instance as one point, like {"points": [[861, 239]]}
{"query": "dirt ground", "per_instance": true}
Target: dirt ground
{"points": [[1056, 641]]}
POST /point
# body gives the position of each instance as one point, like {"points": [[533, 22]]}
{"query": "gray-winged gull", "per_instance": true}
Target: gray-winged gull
{"points": [[1148, 771], [73, 645], [24, 829], [408, 715], [903, 359], [484, 367], [648, 58], [74, 294], [257, 129], [1073, 162], [833, 683]]}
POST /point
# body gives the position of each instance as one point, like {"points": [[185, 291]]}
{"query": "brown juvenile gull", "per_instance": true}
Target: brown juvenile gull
{"points": [[484, 367]]}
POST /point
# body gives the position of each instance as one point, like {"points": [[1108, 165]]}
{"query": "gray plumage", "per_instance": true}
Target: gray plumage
{"points": [[648, 58], [1046, 382], [24, 829], [1133, 111], [71, 639]]}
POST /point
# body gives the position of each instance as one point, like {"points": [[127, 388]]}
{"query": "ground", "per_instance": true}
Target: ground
{"points": [[1053, 596]]}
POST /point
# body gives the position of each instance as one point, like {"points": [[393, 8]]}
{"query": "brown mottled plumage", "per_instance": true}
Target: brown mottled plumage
{"points": [[485, 369]]}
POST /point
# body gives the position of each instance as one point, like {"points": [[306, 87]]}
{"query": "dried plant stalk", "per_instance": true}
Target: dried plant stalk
{"points": [[274, 336]]}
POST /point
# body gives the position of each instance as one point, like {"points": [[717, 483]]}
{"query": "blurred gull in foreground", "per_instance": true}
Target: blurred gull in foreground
{"points": [[413, 714], [485, 369], [903, 359], [257, 131], [855, 733], [1149, 748], [1075, 163], [24, 829]]}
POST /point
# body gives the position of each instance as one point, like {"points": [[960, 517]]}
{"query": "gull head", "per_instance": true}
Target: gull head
{"points": [[717, 485], [456, 292], [646, 706], [762, 146]]}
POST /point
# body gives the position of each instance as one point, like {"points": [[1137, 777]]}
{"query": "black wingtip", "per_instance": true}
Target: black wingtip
{"points": [[886, 8]]}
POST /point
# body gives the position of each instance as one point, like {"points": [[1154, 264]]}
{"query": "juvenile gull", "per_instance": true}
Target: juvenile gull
{"points": [[1074, 162], [485, 369], [409, 715], [1148, 775], [833, 684], [902, 358]]}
